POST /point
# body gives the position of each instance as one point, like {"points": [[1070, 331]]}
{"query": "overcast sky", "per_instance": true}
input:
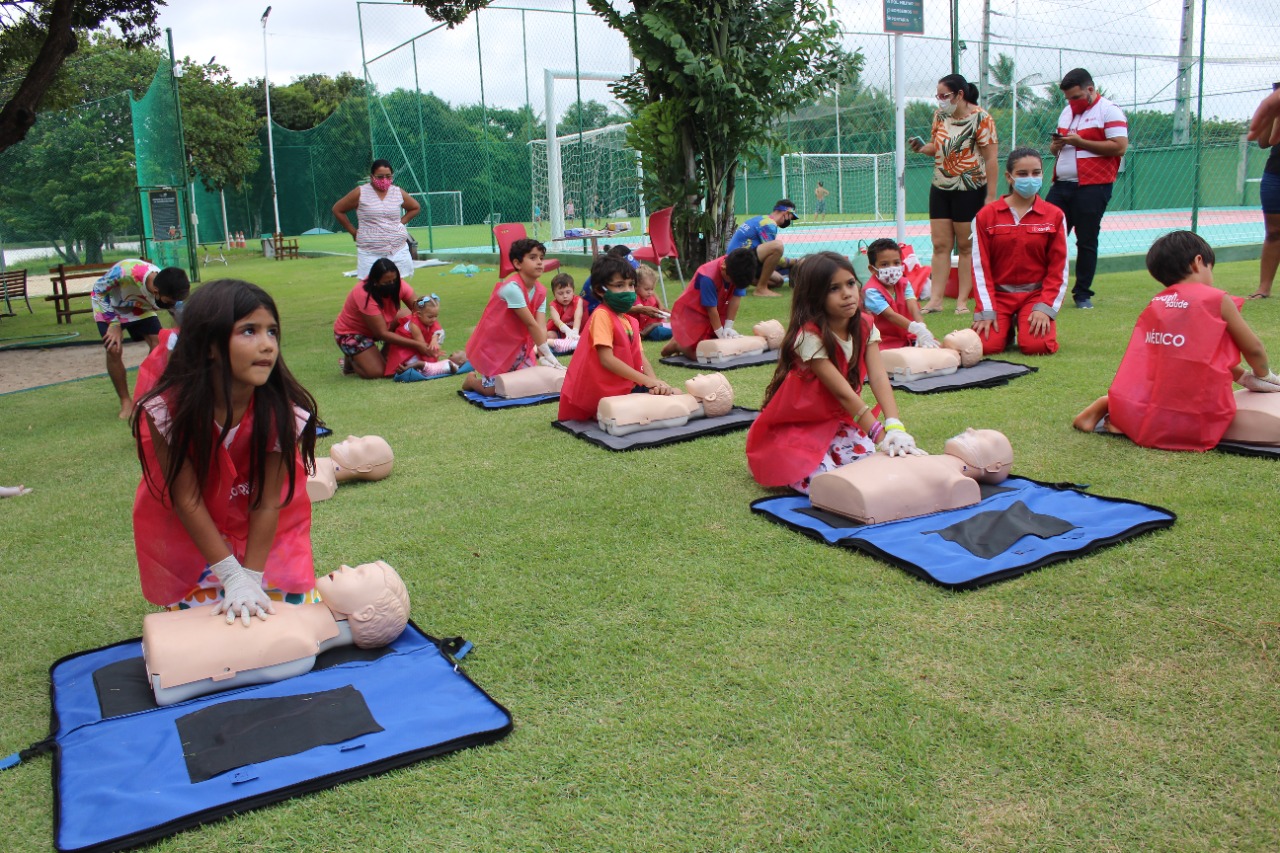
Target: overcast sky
{"points": [[323, 36]]}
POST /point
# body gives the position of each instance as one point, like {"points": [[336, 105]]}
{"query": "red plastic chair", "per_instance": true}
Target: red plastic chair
{"points": [[662, 244], [507, 233]]}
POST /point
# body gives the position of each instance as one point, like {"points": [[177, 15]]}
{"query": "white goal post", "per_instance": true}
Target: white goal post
{"points": [[860, 185], [554, 213]]}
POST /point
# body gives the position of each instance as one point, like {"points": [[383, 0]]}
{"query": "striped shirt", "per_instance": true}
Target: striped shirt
{"points": [[380, 231]]}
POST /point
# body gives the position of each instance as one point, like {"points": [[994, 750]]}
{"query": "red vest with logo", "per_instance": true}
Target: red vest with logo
{"points": [[588, 381], [793, 432], [1173, 388], [500, 337], [169, 562]]}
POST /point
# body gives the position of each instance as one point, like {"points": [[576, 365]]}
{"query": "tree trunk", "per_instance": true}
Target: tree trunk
{"points": [[92, 252], [19, 114]]}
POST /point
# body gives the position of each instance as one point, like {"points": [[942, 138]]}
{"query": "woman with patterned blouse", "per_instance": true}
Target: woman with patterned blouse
{"points": [[381, 232], [963, 147]]}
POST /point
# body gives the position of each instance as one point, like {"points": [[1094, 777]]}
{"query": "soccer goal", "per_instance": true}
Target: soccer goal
{"points": [[858, 186], [599, 176], [444, 206]]}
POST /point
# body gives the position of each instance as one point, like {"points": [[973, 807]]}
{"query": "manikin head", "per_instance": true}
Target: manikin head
{"points": [[713, 391], [371, 597], [987, 454], [771, 331], [367, 457], [967, 343]]}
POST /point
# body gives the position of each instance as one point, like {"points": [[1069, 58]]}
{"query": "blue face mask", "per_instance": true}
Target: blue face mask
{"points": [[1027, 187]]}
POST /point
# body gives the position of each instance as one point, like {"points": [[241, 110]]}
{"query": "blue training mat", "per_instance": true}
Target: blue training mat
{"points": [[477, 399], [121, 781], [413, 375], [1003, 531]]}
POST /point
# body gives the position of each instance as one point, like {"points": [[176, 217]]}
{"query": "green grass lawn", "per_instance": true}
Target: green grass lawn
{"points": [[685, 675]]}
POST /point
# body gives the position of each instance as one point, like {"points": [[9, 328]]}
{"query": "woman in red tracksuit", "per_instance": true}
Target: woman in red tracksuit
{"points": [[1020, 263]]}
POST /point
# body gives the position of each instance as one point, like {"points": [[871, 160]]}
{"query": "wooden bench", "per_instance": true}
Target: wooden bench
{"points": [[284, 247], [13, 283], [62, 294]]}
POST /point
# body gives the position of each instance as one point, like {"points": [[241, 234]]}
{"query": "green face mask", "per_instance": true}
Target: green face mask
{"points": [[620, 302]]}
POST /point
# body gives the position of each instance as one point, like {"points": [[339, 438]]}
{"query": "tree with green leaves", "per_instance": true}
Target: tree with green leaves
{"points": [[713, 79], [220, 127], [38, 36], [1000, 92]]}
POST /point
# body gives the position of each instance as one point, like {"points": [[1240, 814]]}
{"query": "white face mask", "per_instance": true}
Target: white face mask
{"points": [[889, 275], [947, 107]]}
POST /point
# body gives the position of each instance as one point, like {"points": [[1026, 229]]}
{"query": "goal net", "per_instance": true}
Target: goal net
{"points": [[599, 178], [444, 207], [858, 186]]}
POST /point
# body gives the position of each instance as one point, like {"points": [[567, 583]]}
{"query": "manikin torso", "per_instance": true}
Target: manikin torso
{"points": [[193, 652], [882, 488], [1257, 418], [962, 348], [766, 335], [709, 395], [529, 382]]}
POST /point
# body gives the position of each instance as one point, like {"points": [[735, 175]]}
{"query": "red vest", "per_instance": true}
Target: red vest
{"points": [[154, 364], [588, 381], [793, 432], [564, 312], [689, 321], [500, 338], [646, 321], [1173, 388], [169, 562], [398, 354]]}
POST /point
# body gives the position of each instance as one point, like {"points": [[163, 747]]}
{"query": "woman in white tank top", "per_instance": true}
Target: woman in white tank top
{"points": [[382, 232]]}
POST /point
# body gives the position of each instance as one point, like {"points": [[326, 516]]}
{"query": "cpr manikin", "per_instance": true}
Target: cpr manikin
{"points": [[529, 382], [192, 652], [358, 457], [766, 336], [882, 488], [1257, 419], [709, 396], [962, 348]]}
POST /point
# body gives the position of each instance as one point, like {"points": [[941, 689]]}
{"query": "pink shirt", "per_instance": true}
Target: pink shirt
{"points": [[359, 305]]}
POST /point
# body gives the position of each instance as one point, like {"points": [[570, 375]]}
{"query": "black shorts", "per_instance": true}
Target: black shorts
{"points": [[139, 330], [956, 205]]}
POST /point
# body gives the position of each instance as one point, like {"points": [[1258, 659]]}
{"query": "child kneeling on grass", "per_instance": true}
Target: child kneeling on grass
{"points": [[610, 360], [1173, 388], [512, 332], [813, 418]]}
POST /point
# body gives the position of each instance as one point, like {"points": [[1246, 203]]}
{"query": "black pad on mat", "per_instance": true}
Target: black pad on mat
{"points": [[988, 534], [988, 373], [736, 419], [233, 734], [769, 356]]}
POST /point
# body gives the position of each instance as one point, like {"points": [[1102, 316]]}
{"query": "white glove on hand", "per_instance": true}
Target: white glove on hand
{"points": [[726, 331], [1268, 384], [897, 441], [242, 592], [547, 358], [924, 337], [571, 335]]}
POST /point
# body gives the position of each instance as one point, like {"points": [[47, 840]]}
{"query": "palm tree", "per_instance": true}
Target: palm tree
{"points": [[1000, 95]]}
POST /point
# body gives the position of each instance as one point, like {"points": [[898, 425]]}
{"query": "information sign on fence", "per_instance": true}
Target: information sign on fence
{"points": [[166, 224], [904, 16]]}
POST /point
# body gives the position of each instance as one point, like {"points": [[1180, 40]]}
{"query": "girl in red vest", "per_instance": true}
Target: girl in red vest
{"points": [[225, 439], [890, 295], [813, 418], [512, 332], [709, 305], [610, 360], [1173, 388], [422, 327]]}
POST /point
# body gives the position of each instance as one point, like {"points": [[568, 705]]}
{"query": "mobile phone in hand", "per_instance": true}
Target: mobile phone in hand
{"points": [[1057, 135], [916, 142]]}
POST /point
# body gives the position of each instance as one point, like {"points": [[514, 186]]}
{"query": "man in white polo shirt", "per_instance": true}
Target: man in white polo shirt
{"points": [[1092, 137]]}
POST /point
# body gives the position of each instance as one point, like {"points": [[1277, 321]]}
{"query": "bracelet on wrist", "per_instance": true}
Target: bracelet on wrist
{"points": [[876, 432], [892, 427]]}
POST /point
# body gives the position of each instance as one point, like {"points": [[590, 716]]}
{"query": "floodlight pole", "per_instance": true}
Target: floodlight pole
{"points": [[271, 150]]}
